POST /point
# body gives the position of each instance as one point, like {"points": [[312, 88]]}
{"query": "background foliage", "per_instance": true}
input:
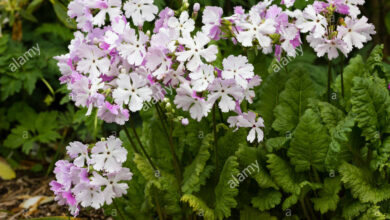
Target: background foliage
{"points": [[319, 160]]}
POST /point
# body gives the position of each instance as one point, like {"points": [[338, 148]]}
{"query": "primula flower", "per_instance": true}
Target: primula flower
{"points": [[158, 63], [162, 22], [85, 92], [93, 61], [313, 22], [132, 90], [140, 11], [256, 28], [110, 7], [88, 195], [202, 78], [212, 22], [353, 6], [112, 184], [79, 153], [330, 47], [113, 113], [133, 48], [174, 77], [248, 120], [108, 155], [249, 92], [183, 26], [356, 32], [238, 68], [288, 3], [188, 100], [227, 91], [196, 50]]}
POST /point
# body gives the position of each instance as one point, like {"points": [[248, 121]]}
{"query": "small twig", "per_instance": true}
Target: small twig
{"points": [[215, 138], [130, 139]]}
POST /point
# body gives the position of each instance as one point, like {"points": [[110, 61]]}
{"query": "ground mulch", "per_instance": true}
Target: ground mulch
{"points": [[24, 186]]}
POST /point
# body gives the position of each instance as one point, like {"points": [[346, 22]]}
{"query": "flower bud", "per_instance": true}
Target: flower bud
{"points": [[196, 7], [185, 121]]}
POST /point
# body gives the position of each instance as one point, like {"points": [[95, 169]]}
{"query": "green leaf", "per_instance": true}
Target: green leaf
{"points": [[267, 199], [370, 106], [328, 195], [191, 177], [54, 29], [17, 138], [339, 143], [330, 115], [293, 101], [353, 209], [374, 62], [355, 67], [363, 185], [273, 84], [247, 156], [275, 144], [61, 12], [224, 193], [283, 174], [309, 144], [290, 201], [199, 206], [249, 213]]}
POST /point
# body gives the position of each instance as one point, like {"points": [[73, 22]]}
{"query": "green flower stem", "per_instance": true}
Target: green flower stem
{"points": [[130, 139], [329, 78], [215, 137], [141, 145], [171, 147], [342, 76], [304, 208], [158, 207]]}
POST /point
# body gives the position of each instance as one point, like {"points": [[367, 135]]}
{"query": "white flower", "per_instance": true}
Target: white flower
{"points": [[330, 47], [132, 90], [256, 28], [196, 50], [202, 77], [85, 92], [248, 120], [174, 77], [79, 152], [354, 10], [238, 68], [184, 25], [311, 21], [113, 186], [226, 90], [158, 63], [188, 100], [112, 7], [93, 61], [249, 93], [88, 195], [140, 11], [108, 155], [133, 48], [356, 32]]}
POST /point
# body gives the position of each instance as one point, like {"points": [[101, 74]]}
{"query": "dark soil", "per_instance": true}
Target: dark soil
{"points": [[24, 186]]}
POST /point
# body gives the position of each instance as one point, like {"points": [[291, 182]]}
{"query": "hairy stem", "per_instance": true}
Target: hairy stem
{"points": [[171, 146], [329, 78], [342, 76], [304, 209], [215, 137], [130, 139], [141, 145], [160, 215]]}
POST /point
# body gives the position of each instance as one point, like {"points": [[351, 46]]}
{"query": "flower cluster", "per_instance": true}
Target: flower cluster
{"points": [[94, 177], [116, 65], [335, 26]]}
